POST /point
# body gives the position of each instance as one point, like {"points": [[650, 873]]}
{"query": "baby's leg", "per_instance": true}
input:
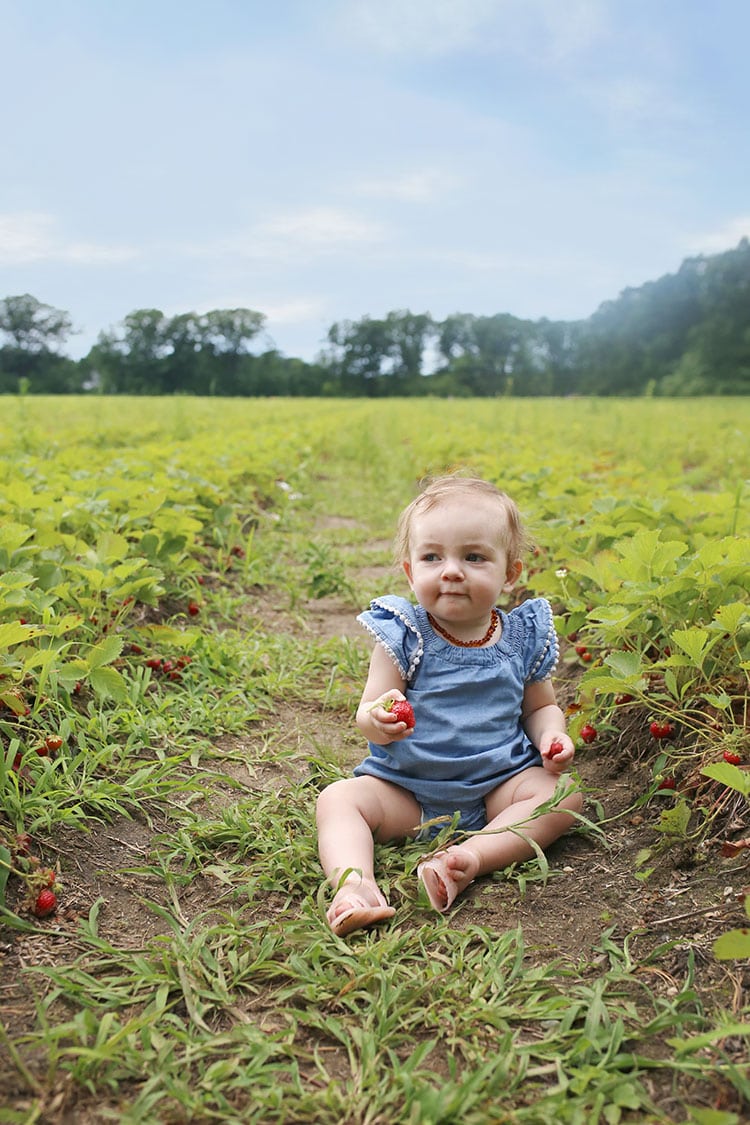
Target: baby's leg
{"points": [[351, 814], [512, 804]]}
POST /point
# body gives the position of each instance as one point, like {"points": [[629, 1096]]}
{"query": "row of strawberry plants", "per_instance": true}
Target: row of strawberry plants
{"points": [[105, 564], [660, 626]]}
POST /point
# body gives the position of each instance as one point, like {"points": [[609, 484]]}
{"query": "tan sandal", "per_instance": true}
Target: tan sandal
{"points": [[438, 881]]}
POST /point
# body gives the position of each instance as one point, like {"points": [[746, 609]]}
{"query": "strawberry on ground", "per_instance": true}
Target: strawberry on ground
{"points": [[661, 729], [45, 903]]}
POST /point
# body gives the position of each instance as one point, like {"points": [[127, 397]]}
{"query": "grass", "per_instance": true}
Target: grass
{"points": [[223, 997]]}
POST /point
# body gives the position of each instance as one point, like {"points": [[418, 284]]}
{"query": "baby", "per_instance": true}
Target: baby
{"points": [[489, 743]]}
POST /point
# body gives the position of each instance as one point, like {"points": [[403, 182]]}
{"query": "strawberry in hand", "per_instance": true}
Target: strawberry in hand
{"points": [[559, 747], [403, 711]]}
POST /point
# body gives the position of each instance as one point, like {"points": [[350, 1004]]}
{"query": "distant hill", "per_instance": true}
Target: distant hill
{"points": [[687, 333]]}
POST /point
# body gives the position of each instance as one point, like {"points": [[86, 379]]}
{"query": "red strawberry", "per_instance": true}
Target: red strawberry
{"points": [[667, 783], [661, 730], [193, 609], [53, 742], [555, 748], [403, 711], [587, 732], [46, 903], [732, 758]]}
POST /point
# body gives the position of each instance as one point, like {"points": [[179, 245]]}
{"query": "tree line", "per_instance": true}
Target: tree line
{"points": [[686, 334]]}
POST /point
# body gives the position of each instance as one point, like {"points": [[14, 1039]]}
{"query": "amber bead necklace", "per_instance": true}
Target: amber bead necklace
{"points": [[494, 622]]}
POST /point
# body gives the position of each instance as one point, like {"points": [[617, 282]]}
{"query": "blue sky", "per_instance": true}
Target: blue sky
{"points": [[322, 160]]}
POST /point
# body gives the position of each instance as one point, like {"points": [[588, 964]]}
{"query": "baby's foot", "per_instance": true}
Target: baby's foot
{"points": [[446, 874], [357, 903]]}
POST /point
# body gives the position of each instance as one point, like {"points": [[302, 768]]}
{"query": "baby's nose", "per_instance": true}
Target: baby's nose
{"points": [[452, 568]]}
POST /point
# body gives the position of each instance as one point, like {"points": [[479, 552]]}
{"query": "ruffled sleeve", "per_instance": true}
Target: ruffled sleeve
{"points": [[392, 621], [541, 649]]}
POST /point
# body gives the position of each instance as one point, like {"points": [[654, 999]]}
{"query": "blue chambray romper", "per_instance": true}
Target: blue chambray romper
{"points": [[467, 702]]}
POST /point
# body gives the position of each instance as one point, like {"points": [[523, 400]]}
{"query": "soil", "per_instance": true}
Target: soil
{"points": [[593, 887]]}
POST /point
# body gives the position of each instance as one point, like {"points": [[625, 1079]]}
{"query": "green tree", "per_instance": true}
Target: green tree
{"points": [[224, 339], [132, 360], [35, 333], [379, 356], [198, 354]]}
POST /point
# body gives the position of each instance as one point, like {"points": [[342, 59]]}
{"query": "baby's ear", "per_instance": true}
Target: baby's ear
{"points": [[407, 570], [512, 574]]}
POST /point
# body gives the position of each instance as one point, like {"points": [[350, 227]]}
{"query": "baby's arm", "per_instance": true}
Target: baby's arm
{"points": [[384, 682], [544, 723]]}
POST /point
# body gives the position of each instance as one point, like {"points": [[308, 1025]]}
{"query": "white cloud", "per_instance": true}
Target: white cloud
{"points": [[723, 238], [27, 237], [284, 236], [321, 228], [563, 31], [428, 27], [532, 28], [411, 187], [299, 311]]}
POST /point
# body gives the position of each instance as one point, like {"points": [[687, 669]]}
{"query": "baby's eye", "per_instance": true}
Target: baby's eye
{"points": [[430, 556], [474, 557]]}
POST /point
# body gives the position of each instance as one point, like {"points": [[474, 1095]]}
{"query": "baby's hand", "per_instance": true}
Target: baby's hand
{"points": [[557, 751], [385, 720]]}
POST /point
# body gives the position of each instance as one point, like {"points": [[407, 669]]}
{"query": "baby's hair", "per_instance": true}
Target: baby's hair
{"points": [[435, 489]]}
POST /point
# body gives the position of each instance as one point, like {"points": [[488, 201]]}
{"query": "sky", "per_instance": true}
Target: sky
{"points": [[325, 160]]}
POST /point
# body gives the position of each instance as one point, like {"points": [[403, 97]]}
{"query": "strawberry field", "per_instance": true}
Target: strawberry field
{"points": [[179, 669]]}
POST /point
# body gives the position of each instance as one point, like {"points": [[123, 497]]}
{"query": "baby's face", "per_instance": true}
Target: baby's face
{"points": [[458, 564]]}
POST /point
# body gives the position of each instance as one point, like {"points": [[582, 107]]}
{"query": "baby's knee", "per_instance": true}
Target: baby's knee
{"points": [[332, 796]]}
